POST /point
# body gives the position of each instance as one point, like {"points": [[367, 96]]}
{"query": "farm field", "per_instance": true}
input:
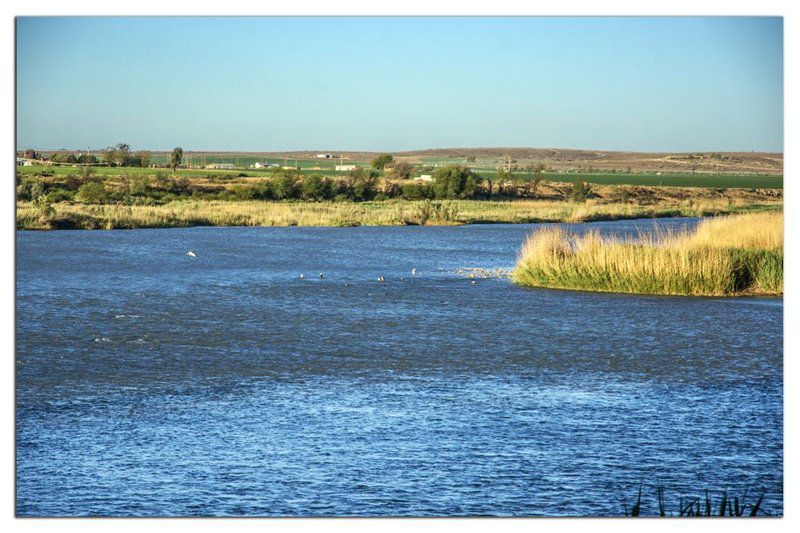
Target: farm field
{"points": [[676, 180], [723, 181]]}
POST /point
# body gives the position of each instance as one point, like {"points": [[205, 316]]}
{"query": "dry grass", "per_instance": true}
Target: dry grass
{"points": [[740, 254], [385, 213]]}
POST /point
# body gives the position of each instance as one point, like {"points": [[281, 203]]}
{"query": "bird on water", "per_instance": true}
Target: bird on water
{"points": [[191, 254]]}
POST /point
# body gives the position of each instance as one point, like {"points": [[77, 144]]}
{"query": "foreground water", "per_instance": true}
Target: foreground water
{"points": [[153, 383]]}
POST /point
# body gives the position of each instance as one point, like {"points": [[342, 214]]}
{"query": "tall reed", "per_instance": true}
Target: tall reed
{"points": [[183, 213], [741, 254]]}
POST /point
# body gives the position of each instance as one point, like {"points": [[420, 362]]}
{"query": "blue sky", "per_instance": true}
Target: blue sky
{"points": [[660, 84]]}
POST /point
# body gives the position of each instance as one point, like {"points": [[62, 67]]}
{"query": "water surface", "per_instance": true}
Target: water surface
{"points": [[153, 383]]}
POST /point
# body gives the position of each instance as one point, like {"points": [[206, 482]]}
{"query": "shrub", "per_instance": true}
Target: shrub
{"points": [[60, 195], [138, 185], [416, 191], [92, 193], [285, 186], [581, 191], [241, 192], [29, 189], [315, 188], [263, 191]]}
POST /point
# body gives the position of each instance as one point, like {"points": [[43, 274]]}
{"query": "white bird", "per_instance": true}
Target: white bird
{"points": [[301, 276], [413, 271], [380, 279], [191, 254], [321, 275], [473, 282]]}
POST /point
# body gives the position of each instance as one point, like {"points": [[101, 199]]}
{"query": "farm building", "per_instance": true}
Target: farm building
{"points": [[424, 177], [324, 156], [220, 166], [345, 168]]}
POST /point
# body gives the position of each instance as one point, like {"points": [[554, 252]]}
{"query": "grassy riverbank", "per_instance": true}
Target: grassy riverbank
{"points": [[184, 213], [729, 256]]}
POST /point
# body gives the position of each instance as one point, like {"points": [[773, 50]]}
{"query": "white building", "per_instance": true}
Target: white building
{"points": [[345, 168], [324, 156], [220, 166], [424, 177]]}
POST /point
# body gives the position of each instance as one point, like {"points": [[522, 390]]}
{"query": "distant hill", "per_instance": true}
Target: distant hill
{"points": [[576, 160], [555, 159]]}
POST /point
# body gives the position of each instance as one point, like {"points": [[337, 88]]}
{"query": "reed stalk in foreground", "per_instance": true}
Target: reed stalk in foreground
{"points": [[695, 506], [734, 255]]}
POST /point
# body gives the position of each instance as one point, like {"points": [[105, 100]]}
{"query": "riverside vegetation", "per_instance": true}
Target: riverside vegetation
{"points": [[727, 256], [130, 198]]}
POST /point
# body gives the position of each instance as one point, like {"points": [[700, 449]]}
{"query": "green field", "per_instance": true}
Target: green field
{"points": [[721, 181], [244, 161]]}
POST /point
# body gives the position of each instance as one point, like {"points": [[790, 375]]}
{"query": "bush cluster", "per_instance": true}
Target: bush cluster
{"points": [[360, 185]]}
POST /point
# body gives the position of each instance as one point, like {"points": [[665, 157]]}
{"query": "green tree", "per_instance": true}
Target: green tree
{"points": [[122, 154], [108, 155], [416, 191], [455, 181], [87, 159], [284, 186], [176, 158], [360, 184], [144, 158], [401, 170], [63, 156], [315, 187], [381, 161]]}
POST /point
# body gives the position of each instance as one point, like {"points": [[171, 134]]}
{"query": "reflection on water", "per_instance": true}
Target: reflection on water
{"points": [[153, 383]]}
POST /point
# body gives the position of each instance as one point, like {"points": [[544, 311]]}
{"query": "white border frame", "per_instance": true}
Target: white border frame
{"points": [[12, 8]]}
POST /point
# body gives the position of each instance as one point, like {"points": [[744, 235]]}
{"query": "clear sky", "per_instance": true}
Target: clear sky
{"points": [[268, 84]]}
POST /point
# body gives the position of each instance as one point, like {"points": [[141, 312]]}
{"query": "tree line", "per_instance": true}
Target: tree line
{"points": [[119, 155], [450, 182]]}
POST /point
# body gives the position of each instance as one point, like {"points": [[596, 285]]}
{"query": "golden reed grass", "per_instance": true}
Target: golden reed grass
{"points": [[732, 255], [385, 213]]}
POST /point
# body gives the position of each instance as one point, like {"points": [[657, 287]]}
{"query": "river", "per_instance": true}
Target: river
{"points": [[153, 383]]}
